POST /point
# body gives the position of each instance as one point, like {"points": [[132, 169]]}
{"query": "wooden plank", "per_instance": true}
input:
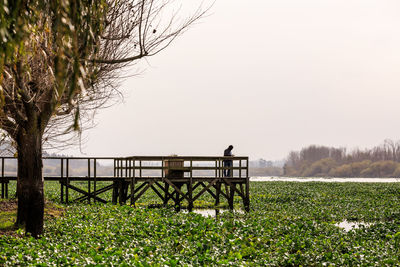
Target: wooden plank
{"points": [[205, 189], [176, 168], [196, 185], [79, 190], [209, 190], [138, 179], [234, 187], [156, 191], [220, 190], [176, 188], [160, 186], [95, 193], [150, 183], [140, 187], [186, 158]]}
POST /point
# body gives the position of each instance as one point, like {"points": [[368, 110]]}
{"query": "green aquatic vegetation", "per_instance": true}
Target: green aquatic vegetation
{"points": [[290, 224], [7, 219]]}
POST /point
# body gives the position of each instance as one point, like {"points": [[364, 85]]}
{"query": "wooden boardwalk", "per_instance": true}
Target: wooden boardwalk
{"points": [[175, 179]]}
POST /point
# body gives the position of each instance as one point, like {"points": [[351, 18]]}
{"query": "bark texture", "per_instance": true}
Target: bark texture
{"points": [[30, 182]]}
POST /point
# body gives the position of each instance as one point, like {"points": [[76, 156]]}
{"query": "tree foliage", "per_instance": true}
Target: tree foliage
{"points": [[60, 62], [63, 59], [380, 161]]}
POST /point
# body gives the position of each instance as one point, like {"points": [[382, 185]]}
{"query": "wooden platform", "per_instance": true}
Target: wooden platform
{"points": [[175, 179]]}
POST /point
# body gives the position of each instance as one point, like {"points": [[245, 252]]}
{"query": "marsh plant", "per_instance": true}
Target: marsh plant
{"points": [[290, 224]]}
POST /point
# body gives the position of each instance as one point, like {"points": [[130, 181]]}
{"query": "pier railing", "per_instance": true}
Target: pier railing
{"points": [[153, 166]]}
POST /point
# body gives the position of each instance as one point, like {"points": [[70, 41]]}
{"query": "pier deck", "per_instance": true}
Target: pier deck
{"points": [[171, 178]]}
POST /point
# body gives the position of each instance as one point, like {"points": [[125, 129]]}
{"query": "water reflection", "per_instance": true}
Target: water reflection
{"points": [[348, 226], [324, 179], [213, 212], [208, 212]]}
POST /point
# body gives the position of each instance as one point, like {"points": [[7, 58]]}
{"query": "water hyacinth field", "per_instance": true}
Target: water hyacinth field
{"points": [[290, 224]]}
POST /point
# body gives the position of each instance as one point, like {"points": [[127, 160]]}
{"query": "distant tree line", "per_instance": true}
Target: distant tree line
{"points": [[322, 161]]}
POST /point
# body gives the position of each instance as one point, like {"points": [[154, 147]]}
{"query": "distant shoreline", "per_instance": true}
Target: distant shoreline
{"points": [[323, 179]]}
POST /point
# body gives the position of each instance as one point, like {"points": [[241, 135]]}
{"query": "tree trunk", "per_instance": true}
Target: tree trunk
{"points": [[30, 182]]}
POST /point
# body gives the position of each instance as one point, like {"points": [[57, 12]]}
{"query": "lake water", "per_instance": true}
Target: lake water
{"points": [[345, 225], [348, 226], [212, 212], [324, 179]]}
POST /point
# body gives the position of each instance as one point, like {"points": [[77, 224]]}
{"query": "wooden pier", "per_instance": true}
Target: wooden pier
{"points": [[175, 179]]}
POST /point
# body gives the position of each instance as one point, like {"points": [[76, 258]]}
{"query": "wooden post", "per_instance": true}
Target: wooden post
{"points": [[6, 182], [227, 192], [61, 181], [114, 168], [127, 182], [166, 185], [3, 182], [115, 192], [140, 168], [162, 167], [190, 187], [94, 179], [121, 186], [231, 169], [218, 185], [177, 202], [89, 180], [231, 195], [133, 182], [115, 182], [221, 172], [166, 193], [247, 202], [247, 168], [123, 189], [240, 168], [130, 167], [121, 192], [216, 168], [247, 196], [67, 184]]}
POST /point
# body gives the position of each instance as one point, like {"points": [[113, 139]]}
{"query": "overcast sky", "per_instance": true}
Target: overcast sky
{"points": [[268, 77]]}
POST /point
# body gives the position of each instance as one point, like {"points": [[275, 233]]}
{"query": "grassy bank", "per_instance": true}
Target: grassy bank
{"points": [[289, 224]]}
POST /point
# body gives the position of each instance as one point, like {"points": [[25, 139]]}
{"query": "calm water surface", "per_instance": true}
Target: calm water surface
{"points": [[348, 226], [324, 179], [212, 212]]}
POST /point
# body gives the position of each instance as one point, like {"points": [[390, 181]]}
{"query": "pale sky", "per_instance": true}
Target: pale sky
{"points": [[268, 77]]}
